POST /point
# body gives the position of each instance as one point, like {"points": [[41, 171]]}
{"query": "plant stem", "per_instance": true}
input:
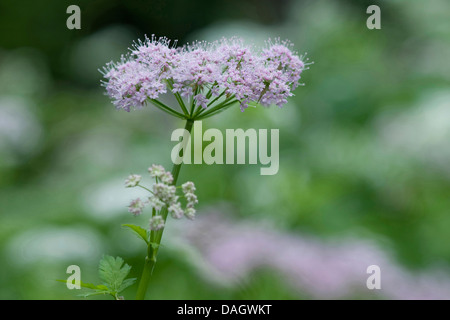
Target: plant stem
{"points": [[214, 112], [178, 97], [165, 108], [196, 91], [155, 239], [145, 278], [221, 105], [200, 109]]}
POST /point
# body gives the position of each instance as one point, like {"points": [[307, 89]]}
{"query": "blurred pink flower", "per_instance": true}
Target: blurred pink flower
{"points": [[321, 269]]}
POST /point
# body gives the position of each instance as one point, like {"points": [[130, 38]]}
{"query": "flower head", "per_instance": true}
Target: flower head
{"points": [[164, 196], [189, 195], [156, 223], [132, 180], [191, 199], [165, 193], [136, 206], [190, 213], [176, 211], [204, 70], [156, 171], [188, 187], [167, 178], [155, 203]]}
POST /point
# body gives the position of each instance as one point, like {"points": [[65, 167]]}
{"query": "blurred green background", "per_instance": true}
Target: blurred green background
{"points": [[364, 145]]}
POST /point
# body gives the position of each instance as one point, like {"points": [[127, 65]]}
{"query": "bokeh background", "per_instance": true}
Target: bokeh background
{"points": [[364, 154]]}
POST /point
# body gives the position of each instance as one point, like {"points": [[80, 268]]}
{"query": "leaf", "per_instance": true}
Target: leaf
{"points": [[140, 232], [101, 287], [126, 283], [87, 285], [113, 272], [96, 293]]}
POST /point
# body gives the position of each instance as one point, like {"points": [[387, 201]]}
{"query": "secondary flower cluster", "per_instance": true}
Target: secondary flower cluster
{"points": [[163, 195], [204, 72]]}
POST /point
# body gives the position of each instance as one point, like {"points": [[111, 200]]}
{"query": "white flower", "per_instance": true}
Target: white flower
{"points": [[176, 211], [156, 223], [190, 213], [136, 206], [188, 187], [132, 180], [155, 203], [156, 171]]}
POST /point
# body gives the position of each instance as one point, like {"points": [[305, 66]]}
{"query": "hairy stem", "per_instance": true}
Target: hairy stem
{"points": [[156, 236]]}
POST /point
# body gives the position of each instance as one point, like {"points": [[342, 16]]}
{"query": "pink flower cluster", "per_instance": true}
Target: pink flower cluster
{"points": [[204, 72]]}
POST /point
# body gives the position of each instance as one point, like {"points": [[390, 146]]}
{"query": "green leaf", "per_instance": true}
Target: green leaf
{"points": [[126, 283], [101, 287], [113, 272], [96, 293], [87, 285], [140, 232]]}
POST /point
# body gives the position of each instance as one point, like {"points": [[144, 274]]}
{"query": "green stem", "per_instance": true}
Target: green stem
{"points": [[179, 98], [152, 249], [145, 188], [200, 109], [196, 91], [213, 113], [165, 108], [221, 105], [145, 278]]}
